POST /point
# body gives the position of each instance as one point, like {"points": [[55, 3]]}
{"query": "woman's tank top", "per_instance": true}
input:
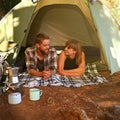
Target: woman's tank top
{"points": [[70, 64]]}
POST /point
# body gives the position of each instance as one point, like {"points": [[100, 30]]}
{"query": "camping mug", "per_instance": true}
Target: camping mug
{"points": [[14, 98], [34, 94]]}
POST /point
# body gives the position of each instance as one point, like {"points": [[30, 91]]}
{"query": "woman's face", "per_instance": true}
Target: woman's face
{"points": [[69, 52]]}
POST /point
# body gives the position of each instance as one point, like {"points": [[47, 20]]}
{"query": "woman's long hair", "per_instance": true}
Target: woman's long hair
{"points": [[75, 45]]}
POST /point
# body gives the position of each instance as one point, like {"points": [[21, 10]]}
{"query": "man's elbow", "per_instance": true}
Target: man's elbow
{"points": [[29, 71]]}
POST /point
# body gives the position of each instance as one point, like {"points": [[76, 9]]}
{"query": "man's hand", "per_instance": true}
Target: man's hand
{"points": [[46, 74]]}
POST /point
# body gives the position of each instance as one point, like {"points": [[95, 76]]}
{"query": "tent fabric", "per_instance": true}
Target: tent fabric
{"points": [[62, 22], [55, 17], [66, 19], [109, 34], [74, 19]]}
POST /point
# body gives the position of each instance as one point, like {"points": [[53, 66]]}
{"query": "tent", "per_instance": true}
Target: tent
{"points": [[89, 22]]}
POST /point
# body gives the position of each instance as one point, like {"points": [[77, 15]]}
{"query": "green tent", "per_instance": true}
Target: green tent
{"points": [[91, 23]]}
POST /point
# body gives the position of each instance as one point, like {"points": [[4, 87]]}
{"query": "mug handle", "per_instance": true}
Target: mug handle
{"points": [[41, 92]]}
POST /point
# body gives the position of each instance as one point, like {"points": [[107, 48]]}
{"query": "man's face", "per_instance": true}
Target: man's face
{"points": [[44, 46]]}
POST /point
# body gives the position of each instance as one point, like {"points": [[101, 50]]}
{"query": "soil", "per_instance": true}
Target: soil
{"points": [[96, 102]]}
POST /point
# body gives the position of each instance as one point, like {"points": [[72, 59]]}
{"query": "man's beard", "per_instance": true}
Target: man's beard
{"points": [[43, 52]]}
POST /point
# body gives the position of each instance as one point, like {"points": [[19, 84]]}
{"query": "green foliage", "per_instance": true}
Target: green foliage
{"points": [[7, 5], [115, 9], [116, 13]]}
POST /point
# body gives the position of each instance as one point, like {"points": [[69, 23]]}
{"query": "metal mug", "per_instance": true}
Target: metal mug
{"points": [[14, 98], [34, 94]]}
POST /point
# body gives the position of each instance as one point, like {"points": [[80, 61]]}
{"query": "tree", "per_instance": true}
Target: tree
{"points": [[7, 5]]}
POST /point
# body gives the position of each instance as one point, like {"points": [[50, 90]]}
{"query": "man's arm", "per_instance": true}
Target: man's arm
{"points": [[53, 61], [31, 62], [35, 73]]}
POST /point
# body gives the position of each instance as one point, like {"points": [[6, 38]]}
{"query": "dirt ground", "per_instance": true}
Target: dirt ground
{"points": [[97, 102]]}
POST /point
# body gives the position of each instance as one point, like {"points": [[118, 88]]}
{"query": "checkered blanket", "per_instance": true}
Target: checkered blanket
{"points": [[90, 77]]}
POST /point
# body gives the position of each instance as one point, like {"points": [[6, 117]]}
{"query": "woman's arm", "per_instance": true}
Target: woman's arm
{"points": [[61, 60], [74, 72]]}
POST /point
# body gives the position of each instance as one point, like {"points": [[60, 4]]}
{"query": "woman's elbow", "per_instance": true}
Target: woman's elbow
{"points": [[81, 72], [60, 72]]}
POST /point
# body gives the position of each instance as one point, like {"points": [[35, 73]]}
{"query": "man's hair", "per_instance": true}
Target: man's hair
{"points": [[40, 37]]}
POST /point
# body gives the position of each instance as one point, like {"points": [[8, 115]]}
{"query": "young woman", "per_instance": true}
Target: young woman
{"points": [[71, 61]]}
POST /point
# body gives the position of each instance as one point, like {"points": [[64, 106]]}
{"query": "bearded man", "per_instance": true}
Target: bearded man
{"points": [[41, 59]]}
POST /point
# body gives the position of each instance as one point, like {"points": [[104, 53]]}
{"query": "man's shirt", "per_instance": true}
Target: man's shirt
{"points": [[50, 60]]}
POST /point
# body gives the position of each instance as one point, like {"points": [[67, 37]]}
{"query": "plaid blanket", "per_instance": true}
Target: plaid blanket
{"points": [[90, 77]]}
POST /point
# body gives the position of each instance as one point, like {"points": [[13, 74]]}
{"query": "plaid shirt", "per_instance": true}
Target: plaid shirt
{"points": [[50, 60]]}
